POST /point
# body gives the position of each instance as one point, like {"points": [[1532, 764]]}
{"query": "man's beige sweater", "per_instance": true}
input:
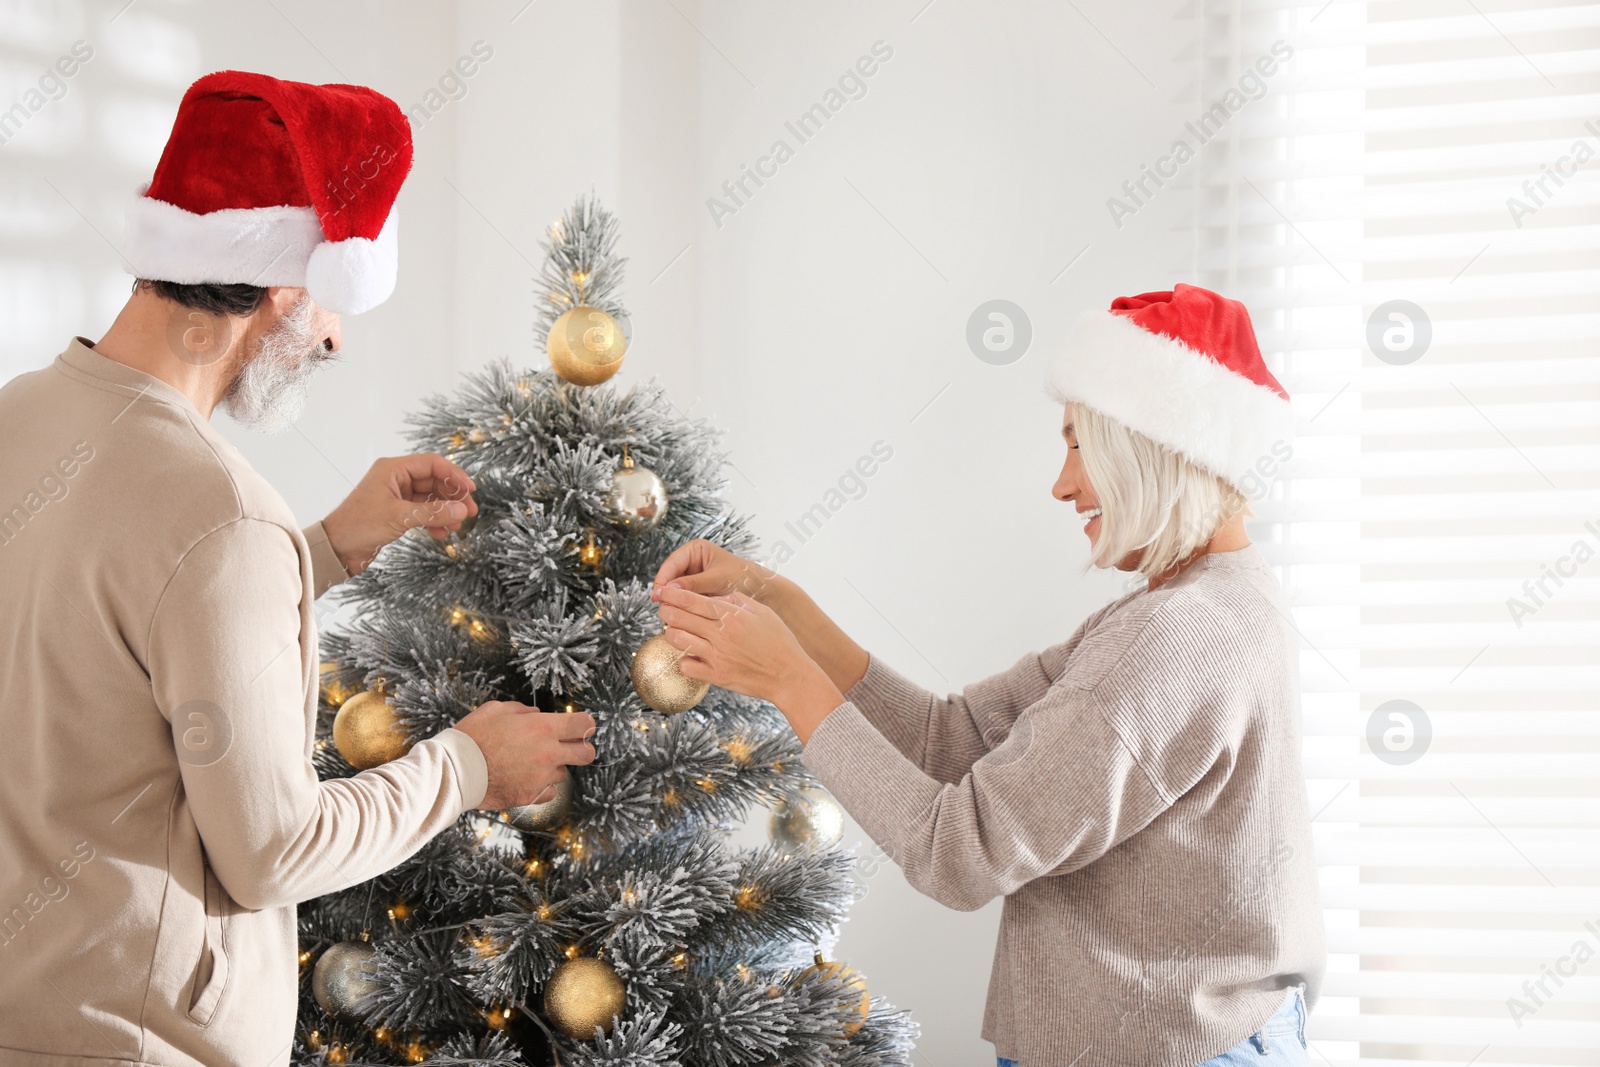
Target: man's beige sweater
{"points": [[1135, 794], [158, 664]]}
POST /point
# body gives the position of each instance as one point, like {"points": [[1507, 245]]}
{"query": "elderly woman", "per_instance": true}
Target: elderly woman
{"points": [[1134, 792]]}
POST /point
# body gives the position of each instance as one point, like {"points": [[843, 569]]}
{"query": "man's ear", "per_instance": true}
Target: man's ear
{"points": [[281, 299]]}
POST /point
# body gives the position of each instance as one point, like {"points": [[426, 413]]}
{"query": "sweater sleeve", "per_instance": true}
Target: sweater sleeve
{"points": [[227, 671], [945, 736], [326, 569], [1091, 762]]}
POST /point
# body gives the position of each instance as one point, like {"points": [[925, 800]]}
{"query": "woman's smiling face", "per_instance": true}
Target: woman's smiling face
{"points": [[1072, 484]]}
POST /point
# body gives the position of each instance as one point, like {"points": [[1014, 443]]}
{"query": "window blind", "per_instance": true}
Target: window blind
{"points": [[1411, 210]]}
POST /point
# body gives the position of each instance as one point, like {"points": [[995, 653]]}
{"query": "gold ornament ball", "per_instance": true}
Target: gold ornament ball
{"points": [[584, 993], [659, 682], [638, 499], [342, 978], [586, 345], [835, 969], [367, 733], [547, 816], [808, 818]]}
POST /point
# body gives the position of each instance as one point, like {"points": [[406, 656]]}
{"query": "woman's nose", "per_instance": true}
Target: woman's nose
{"points": [[1065, 486]]}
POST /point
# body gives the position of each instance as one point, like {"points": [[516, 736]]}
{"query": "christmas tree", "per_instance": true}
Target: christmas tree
{"points": [[616, 923]]}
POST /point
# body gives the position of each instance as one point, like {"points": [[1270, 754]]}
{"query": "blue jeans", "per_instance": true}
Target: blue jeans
{"points": [[1279, 1043]]}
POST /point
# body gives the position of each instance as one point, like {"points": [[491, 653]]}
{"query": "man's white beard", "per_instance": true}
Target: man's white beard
{"points": [[270, 390]]}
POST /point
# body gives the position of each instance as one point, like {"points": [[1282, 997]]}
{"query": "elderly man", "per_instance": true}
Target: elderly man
{"points": [[158, 678]]}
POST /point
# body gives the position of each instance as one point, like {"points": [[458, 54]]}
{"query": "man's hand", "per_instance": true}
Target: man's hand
{"points": [[396, 495], [527, 750]]}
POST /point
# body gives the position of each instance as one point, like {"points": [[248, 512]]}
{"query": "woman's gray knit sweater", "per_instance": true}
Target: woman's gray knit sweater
{"points": [[1135, 794]]}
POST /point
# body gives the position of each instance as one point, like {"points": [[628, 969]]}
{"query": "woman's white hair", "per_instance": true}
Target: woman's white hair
{"points": [[1153, 500]]}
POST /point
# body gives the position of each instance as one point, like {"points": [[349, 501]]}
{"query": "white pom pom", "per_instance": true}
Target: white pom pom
{"points": [[355, 275]]}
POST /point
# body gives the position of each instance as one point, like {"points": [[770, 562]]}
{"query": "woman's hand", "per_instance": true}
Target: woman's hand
{"points": [[702, 567], [740, 644]]}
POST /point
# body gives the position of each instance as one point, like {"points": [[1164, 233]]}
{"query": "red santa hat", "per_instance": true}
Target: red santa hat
{"points": [[1183, 368], [273, 182]]}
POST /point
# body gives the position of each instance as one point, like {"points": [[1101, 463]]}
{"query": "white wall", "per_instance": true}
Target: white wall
{"points": [[989, 141], [820, 318]]}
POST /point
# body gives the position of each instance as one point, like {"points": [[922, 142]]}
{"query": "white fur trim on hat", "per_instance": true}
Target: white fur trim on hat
{"points": [[1172, 394], [261, 246], [255, 246], [354, 275]]}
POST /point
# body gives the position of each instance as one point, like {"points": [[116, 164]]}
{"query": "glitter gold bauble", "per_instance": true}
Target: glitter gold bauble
{"points": [[638, 499], [586, 345], [835, 969], [342, 978], [367, 732], [584, 993], [660, 683], [808, 818], [545, 816]]}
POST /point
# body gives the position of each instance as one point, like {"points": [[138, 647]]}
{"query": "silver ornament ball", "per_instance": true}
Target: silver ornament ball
{"points": [[638, 499], [342, 979], [807, 819], [533, 818]]}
